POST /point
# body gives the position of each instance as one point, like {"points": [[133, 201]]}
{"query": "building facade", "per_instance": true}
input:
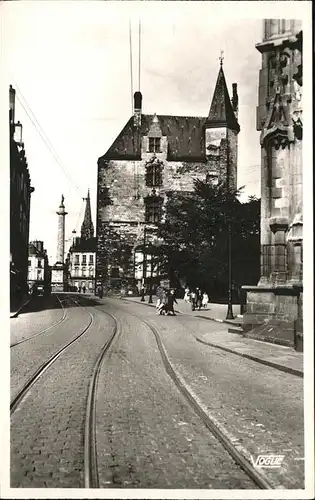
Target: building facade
{"points": [[38, 269], [275, 305], [20, 200], [82, 254], [154, 156]]}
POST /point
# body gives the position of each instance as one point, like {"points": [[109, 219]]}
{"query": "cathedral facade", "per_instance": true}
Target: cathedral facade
{"points": [[274, 307], [153, 157]]}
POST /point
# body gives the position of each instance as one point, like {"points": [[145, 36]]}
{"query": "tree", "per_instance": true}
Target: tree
{"points": [[195, 237]]}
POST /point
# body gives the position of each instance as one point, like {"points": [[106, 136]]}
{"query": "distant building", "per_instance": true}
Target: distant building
{"points": [[82, 254], [274, 307], [152, 157], [38, 269], [20, 200]]}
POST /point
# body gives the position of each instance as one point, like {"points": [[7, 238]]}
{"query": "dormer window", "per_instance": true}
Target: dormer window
{"points": [[154, 144]]}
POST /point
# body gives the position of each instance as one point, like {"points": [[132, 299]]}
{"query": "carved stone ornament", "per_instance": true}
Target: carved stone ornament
{"points": [[154, 161], [278, 125]]}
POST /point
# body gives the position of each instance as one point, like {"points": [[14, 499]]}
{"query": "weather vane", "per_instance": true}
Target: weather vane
{"points": [[221, 58]]}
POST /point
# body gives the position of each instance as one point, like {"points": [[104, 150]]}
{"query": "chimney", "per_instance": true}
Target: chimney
{"points": [[234, 98], [137, 109], [11, 105]]}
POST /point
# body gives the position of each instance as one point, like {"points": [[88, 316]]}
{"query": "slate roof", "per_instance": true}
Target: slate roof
{"points": [[185, 133], [185, 138], [32, 250], [221, 112], [83, 245]]}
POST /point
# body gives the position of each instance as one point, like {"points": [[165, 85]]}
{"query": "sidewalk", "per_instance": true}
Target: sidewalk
{"points": [[18, 308], [276, 356]]}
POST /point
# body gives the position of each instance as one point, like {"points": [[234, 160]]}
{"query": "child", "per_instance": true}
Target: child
{"points": [[205, 300]]}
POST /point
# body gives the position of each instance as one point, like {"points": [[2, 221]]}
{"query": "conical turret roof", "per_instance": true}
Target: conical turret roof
{"points": [[87, 228], [221, 113]]}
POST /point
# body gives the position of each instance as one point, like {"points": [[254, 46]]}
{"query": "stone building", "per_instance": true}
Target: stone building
{"points": [[82, 254], [153, 156], [274, 307], [37, 264], [20, 201]]}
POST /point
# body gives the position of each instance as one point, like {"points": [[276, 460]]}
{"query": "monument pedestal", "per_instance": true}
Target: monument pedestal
{"points": [[58, 278]]}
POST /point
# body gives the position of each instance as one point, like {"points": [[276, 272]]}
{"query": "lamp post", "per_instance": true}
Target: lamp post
{"points": [[151, 264], [144, 265]]}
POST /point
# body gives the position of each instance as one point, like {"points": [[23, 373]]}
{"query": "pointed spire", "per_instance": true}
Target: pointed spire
{"points": [[87, 228], [221, 112]]}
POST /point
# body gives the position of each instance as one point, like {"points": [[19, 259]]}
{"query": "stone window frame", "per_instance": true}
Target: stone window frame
{"points": [[91, 259], [153, 209], [153, 173], [83, 260], [77, 259], [154, 144]]}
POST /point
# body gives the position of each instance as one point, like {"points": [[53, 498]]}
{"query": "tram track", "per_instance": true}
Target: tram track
{"points": [[45, 365], [239, 458], [54, 325], [91, 477], [90, 470]]}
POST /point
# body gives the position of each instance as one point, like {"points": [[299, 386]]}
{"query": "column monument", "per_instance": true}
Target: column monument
{"points": [[58, 275]]}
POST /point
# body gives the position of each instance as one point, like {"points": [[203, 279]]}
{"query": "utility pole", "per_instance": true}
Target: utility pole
{"points": [[229, 314], [150, 301]]}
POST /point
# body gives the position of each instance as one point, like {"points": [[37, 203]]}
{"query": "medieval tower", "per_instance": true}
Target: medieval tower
{"points": [[154, 156]]}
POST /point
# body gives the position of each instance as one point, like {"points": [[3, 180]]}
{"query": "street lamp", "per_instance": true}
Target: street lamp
{"points": [[151, 264], [144, 265], [229, 314]]}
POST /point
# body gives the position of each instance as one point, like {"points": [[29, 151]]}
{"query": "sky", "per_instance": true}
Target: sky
{"points": [[70, 64]]}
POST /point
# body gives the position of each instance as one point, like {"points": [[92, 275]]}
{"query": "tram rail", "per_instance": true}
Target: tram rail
{"points": [[44, 366], [257, 478], [54, 325]]}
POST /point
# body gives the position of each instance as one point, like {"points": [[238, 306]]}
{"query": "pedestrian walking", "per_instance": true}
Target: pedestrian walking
{"points": [[80, 289], [83, 289], [159, 292], [162, 309], [205, 299], [170, 302], [193, 298], [100, 291], [187, 295], [198, 298]]}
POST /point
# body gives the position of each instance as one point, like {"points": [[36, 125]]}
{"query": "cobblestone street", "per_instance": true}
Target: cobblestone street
{"points": [[147, 433]]}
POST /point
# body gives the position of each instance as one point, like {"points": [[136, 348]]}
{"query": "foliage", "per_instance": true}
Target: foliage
{"points": [[195, 234]]}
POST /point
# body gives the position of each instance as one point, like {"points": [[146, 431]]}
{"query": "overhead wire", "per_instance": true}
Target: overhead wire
{"points": [[139, 55], [43, 135], [131, 75]]}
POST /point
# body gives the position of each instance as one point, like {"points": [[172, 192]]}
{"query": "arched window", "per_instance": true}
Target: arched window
{"points": [[153, 209], [153, 174]]}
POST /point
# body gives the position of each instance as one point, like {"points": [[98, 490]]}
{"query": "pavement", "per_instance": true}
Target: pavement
{"points": [[18, 308], [276, 356]]}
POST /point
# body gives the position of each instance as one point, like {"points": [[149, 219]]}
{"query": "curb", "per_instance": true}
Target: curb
{"points": [[15, 314], [282, 368], [286, 369]]}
